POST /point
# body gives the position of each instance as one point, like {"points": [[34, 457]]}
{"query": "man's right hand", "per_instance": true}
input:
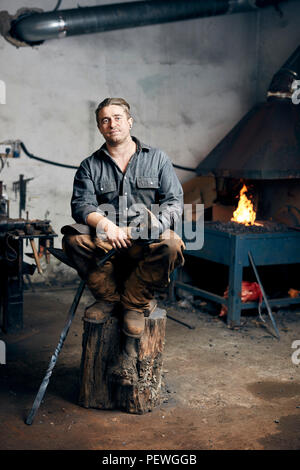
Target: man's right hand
{"points": [[116, 235]]}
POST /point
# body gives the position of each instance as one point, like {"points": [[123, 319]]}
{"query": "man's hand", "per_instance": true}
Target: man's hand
{"points": [[116, 235]]}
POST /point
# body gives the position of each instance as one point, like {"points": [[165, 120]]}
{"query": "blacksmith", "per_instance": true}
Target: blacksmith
{"points": [[122, 173]]}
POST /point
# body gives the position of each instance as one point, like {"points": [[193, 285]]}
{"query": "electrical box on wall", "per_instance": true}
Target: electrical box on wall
{"points": [[10, 149]]}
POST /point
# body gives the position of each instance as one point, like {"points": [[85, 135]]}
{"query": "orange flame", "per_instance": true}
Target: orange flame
{"points": [[244, 214]]}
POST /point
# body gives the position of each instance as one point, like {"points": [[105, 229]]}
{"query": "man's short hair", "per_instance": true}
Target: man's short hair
{"points": [[117, 101]]}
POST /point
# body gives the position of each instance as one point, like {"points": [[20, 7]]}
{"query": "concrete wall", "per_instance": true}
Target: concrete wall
{"points": [[188, 84]]}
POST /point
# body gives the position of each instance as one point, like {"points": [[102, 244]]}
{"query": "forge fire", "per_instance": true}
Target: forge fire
{"points": [[245, 213]]}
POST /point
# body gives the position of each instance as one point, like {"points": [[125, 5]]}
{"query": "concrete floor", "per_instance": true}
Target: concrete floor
{"points": [[222, 388]]}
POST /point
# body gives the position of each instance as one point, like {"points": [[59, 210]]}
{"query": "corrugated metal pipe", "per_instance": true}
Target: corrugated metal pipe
{"points": [[34, 28]]}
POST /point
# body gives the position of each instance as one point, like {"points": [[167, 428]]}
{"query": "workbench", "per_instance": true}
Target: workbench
{"points": [[12, 270]]}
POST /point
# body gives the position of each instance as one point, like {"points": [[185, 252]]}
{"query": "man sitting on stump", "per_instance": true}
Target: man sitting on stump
{"points": [[122, 175]]}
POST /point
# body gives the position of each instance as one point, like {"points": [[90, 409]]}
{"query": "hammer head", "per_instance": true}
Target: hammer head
{"points": [[145, 226]]}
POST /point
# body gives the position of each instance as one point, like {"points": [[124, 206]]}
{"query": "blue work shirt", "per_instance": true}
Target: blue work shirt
{"points": [[148, 179]]}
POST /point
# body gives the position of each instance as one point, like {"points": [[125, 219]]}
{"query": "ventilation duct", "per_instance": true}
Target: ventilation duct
{"points": [[33, 28]]}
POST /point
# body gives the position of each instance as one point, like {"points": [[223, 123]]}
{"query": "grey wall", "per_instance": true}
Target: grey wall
{"points": [[188, 84]]}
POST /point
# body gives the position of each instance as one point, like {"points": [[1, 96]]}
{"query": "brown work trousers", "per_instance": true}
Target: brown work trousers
{"points": [[132, 275]]}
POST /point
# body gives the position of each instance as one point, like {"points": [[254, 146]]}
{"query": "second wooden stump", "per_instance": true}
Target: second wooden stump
{"points": [[102, 344]]}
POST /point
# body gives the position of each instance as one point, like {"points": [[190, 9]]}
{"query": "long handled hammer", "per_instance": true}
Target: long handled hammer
{"points": [[72, 311]]}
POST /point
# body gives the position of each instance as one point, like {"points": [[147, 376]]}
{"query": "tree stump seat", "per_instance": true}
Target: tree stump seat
{"points": [[102, 346]]}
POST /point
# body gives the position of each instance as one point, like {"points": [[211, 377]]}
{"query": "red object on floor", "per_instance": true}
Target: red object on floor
{"points": [[250, 291]]}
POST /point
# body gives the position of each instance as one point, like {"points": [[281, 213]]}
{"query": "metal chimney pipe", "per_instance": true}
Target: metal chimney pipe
{"points": [[37, 27]]}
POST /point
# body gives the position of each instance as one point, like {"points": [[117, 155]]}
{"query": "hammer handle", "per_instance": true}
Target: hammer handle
{"points": [[36, 256]]}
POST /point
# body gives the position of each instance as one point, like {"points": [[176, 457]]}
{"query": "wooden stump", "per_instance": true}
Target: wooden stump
{"points": [[102, 346]]}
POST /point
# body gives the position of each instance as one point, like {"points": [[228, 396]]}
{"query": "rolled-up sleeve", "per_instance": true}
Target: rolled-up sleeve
{"points": [[170, 196], [84, 199]]}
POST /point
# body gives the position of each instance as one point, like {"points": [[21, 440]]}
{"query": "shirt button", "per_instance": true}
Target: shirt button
{"points": [[125, 194], [151, 182]]}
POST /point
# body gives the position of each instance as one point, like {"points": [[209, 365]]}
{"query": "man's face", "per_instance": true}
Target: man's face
{"points": [[114, 124]]}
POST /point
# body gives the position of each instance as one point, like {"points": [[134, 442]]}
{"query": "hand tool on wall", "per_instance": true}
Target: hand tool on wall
{"points": [[21, 187]]}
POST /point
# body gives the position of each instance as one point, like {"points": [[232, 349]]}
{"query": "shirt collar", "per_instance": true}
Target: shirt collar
{"points": [[139, 146]]}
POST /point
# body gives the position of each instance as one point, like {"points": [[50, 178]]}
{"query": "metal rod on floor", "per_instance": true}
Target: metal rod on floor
{"points": [[263, 293], [53, 359], [181, 322], [72, 311]]}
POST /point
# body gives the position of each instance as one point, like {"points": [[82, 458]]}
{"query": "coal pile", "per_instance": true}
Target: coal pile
{"points": [[235, 227]]}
